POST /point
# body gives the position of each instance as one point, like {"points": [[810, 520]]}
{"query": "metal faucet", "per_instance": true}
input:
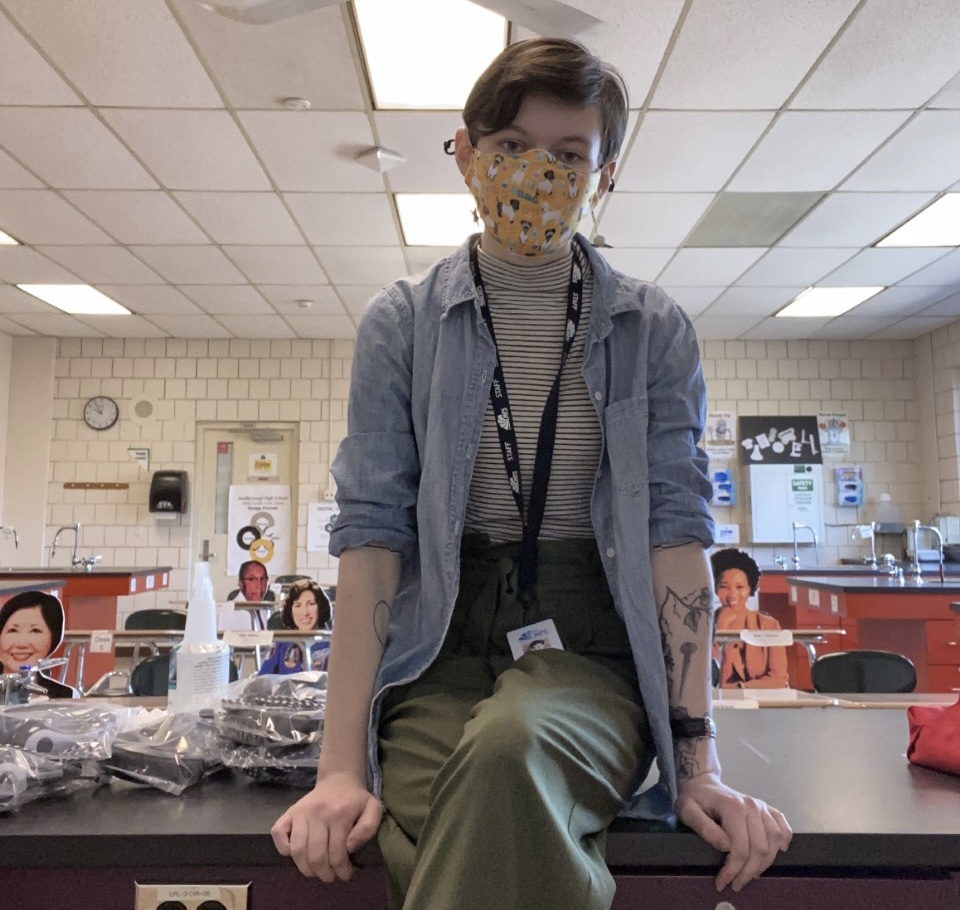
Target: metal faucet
{"points": [[796, 554], [917, 528], [870, 530], [890, 561], [76, 540], [85, 562], [16, 688], [13, 531]]}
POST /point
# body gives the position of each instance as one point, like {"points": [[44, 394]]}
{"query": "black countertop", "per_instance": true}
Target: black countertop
{"points": [[839, 775], [879, 584], [67, 572], [15, 587]]}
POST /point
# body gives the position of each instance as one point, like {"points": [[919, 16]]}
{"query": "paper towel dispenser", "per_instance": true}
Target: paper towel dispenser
{"points": [[168, 492]]}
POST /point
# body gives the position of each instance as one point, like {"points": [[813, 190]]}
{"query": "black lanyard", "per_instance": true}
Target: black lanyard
{"points": [[503, 417]]}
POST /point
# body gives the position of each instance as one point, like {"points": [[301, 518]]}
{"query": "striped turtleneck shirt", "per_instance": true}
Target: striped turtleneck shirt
{"points": [[528, 305]]}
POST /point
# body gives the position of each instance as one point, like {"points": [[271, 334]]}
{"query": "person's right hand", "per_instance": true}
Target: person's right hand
{"points": [[320, 831]]}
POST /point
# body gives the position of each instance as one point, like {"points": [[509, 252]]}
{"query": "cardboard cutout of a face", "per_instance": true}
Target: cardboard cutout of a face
{"points": [[31, 628]]}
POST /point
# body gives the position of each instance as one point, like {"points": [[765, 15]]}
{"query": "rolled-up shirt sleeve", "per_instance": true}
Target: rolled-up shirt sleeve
{"points": [[377, 467], [680, 489]]}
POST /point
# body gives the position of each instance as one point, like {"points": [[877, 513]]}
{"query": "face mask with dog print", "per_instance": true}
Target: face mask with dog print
{"points": [[531, 202]]}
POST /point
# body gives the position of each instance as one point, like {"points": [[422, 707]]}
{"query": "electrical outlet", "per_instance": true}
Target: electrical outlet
{"points": [[192, 897]]}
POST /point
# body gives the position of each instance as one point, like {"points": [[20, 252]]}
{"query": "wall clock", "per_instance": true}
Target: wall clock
{"points": [[100, 412]]}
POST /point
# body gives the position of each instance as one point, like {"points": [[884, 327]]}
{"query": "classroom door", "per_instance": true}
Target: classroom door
{"points": [[246, 499]]}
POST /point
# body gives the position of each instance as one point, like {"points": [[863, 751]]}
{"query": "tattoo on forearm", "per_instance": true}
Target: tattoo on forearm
{"points": [[381, 621], [684, 750], [691, 611]]}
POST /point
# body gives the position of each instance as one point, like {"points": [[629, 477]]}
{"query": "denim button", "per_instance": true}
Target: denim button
{"points": [[611, 552]]}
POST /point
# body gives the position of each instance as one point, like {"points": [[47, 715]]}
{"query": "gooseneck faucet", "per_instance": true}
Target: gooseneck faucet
{"points": [[796, 554], [76, 541], [917, 528], [13, 531]]}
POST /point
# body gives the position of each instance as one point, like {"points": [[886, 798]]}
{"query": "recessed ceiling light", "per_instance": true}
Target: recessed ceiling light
{"points": [[436, 219], [7, 240], [827, 301], [426, 54], [77, 299], [295, 104], [937, 225]]}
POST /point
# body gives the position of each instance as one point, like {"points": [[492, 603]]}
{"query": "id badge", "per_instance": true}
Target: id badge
{"points": [[536, 637]]}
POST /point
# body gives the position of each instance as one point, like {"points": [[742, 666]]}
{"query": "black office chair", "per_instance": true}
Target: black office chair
{"points": [[276, 621], [156, 619], [289, 579], [152, 676], [863, 671]]}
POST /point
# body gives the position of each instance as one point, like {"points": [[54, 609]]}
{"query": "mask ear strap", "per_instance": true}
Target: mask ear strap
{"points": [[448, 147]]}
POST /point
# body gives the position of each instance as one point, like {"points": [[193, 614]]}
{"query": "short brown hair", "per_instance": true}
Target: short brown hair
{"points": [[557, 68]]}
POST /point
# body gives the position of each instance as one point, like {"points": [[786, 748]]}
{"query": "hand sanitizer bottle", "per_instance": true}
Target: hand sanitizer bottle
{"points": [[200, 664]]}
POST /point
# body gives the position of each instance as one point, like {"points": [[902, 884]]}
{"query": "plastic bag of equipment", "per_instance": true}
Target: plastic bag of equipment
{"points": [[67, 730], [171, 753], [26, 776], [270, 727]]}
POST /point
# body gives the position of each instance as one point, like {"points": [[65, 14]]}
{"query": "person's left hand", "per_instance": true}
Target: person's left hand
{"points": [[749, 831]]}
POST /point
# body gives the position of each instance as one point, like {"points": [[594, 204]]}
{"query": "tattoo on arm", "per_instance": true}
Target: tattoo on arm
{"points": [[381, 621], [684, 750], [691, 610]]}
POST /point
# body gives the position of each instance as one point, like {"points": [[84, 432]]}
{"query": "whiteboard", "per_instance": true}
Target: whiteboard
{"points": [[783, 494]]}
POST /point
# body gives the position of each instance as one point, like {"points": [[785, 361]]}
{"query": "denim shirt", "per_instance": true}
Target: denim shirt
{"points": [[421, 377]]}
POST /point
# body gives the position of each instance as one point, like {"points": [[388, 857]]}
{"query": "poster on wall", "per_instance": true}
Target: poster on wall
{"points": [[779, 440], [263, 466], [258, 527], [719, 439], [834, 428], [321, 517]]}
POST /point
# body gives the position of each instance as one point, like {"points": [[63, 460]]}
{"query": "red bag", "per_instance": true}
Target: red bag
{"points": [[935, 736]]}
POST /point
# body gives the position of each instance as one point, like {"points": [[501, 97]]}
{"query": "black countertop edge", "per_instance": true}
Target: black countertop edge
{"points": [[15, 572], [855, 584], [633, 850], [16, 587]]}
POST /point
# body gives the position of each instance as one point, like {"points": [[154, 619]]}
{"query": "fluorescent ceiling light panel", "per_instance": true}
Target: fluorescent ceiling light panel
{"points": [[937, 225], [827, 301], [426, 54], [436, 219], [77, 299], [7, 240]]}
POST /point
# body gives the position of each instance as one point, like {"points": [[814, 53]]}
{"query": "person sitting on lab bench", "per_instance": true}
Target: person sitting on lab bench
{"points": [[306, 608], [736, 577]]}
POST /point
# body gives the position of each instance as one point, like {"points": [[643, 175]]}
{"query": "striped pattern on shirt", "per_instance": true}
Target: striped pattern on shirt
{"points": [[528, 305]]}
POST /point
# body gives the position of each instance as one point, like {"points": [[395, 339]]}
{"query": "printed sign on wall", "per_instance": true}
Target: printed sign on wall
{"points": [[321, 517], [258, 527], [719, 440], [779, 440], [834, 427]]}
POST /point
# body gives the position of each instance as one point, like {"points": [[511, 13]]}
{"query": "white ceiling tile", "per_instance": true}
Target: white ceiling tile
{"points": [[421, 258], [882, 265], [199, 326], [23, 265], [314, 151], [779, 328], [694, 300], [272, 326], [893, 55], [687, 151], [242, 218], [707, 327], [15, 177], [285, 296], [137, 216], [924, 155], [902, 301], [306, 56], [854, 219], [92, 158], [651, 219], [354, 265], [913, 327], [277, 264], [949, 306], [752, 301], [786, 267], [356, 297], [365, 219], [945, 271], [25, 77], [40, 216], [950, 96], [233, 299], [124, 326], [746, 55], [102, 264], [323, 326], [190, 150], [58, 325], [419, 137], [854, 325], [10, 327], [791, 156], [644, 264], [709, 267], [14, 301], [190, 264], [119, 53], [150, 299]]}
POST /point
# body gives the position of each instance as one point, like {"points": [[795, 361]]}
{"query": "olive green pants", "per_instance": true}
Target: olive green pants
{"points": [[500, 777]]}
